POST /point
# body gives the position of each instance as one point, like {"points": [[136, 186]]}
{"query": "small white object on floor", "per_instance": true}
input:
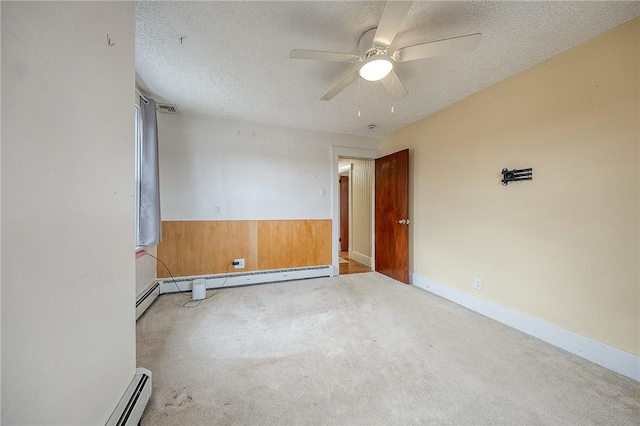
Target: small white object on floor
{"points": [[199, 289]]}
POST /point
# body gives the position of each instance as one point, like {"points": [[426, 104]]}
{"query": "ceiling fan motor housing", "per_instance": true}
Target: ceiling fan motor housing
{"points": [[365, 45], [376, 64]]}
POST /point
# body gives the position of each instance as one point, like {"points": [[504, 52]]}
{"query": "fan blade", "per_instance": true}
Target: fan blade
{"points": [[392, 17], [340, 86], [394, 86], [448, 46], [323, 56]]}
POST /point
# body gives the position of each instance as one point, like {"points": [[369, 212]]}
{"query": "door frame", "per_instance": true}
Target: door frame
{"points": [[347, 174], [336, 152]]}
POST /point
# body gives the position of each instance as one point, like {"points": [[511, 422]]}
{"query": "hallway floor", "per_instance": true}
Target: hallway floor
{"points": [[351, 266]]}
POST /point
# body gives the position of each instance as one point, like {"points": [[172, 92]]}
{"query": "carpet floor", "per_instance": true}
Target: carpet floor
{"points": [[361, 349]]}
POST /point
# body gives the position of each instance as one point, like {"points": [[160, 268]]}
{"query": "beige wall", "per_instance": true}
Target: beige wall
{"points": [[564, 247], [361, 212], [68, 189]]}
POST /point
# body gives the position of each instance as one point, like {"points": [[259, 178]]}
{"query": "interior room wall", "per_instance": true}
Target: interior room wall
{"points": [[0, 231], [251, 171], [362, 177], [344, 165], [68, 317], [146, 270], [563, 247], [229, 171]]}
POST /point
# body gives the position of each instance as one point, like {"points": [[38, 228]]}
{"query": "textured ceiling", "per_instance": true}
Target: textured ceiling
{"points": [[233, 61]]}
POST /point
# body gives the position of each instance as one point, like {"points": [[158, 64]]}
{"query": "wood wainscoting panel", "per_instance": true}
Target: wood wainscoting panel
{"points": [[294, 243], [207, 247]]}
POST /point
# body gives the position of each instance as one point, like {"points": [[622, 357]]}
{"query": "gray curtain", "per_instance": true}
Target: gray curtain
{"points": [[149, 226]]}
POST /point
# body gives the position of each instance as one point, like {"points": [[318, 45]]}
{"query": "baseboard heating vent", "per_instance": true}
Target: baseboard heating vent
{"points": [[132, 404], [146, 298], [245, 278]]}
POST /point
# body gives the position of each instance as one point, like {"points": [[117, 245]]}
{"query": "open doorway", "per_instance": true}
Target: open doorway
{"points": [[337, 153], [392, 221], [355, 199]]}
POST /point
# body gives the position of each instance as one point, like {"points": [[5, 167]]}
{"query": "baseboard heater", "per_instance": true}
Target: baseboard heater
{"points": [[246, 278], [146, 298], [132, 404]]}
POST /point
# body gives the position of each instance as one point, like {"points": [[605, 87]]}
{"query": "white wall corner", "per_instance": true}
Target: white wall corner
{"points": [[607, 356]]}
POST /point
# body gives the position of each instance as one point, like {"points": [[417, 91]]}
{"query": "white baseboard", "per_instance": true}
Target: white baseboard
{"points": [[245, 278], [359, 257], [615, 359]]}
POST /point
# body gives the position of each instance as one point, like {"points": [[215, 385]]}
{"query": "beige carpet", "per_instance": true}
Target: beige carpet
{"points": [[361, 349]]}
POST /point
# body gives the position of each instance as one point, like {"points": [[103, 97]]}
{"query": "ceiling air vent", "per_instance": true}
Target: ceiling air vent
{"points": [[171, 109]]}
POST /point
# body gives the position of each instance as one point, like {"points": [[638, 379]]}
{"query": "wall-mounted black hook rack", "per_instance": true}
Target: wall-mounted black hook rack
{"points": [[516, 175]]}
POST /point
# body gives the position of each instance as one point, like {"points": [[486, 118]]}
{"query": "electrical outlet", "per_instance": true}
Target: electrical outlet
{"points": [[218, 209], [477, 283], [238, 263]]}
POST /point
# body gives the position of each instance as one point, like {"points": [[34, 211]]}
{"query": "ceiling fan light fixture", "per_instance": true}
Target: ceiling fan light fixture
{"points": [[376, 68]]}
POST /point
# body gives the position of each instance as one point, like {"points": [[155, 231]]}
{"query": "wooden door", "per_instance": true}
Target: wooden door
{"points": [[344, 213], [392, 216]]}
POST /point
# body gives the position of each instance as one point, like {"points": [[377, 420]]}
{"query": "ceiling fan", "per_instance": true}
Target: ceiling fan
{"points": [[378, 62]]}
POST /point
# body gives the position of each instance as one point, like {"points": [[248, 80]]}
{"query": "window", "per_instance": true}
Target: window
{"points": [[138, 142], [148, 230]]}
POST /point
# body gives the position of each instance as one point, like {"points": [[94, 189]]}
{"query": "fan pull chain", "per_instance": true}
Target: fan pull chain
{"points": [[359, 96], [392, 108]]}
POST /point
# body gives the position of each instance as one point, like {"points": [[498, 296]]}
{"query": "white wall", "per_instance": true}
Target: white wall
{"points": [[0, 232], [251, 171], [68, 317], [145, 270]]}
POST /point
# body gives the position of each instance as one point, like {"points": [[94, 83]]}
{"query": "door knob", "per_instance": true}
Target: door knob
{"points": [[402, 221]]}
